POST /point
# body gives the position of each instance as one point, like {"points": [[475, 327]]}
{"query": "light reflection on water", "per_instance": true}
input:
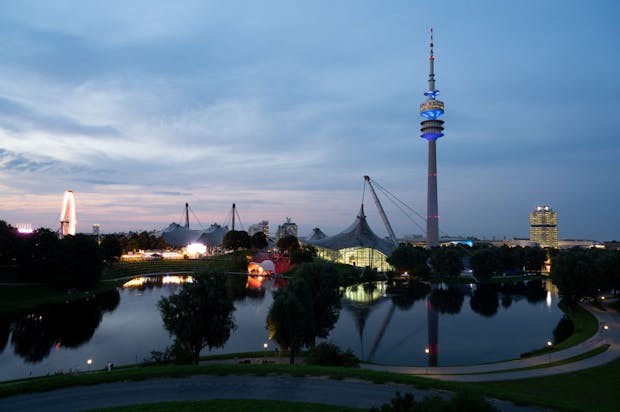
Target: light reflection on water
{"points": [[381, 323]]}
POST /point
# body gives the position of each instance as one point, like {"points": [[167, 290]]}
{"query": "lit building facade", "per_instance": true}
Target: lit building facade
{"points": [[287, 228], [262, 226], [544, 226], [357, 246]]}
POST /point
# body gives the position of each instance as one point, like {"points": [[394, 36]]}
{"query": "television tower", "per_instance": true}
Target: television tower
{"points": [[431, 130]]}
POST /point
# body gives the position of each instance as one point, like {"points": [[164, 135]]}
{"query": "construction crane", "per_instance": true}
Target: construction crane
{"points": [[386, 222]]}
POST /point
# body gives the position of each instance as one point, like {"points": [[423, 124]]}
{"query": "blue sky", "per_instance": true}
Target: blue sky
{"points": [[282, 107]]}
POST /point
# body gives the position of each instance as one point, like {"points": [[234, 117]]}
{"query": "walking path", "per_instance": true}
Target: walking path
{"points": [[347, 393], [505, 370]]}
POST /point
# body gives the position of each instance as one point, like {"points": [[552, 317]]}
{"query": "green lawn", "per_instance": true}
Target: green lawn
{"points": [[578, 391], [19, 298], [224, 405], [595, 389]]}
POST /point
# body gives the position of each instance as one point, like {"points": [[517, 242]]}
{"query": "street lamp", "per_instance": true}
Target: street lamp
{"points": [[427, 351], [549, 345], [605, 329], [89, 362]]}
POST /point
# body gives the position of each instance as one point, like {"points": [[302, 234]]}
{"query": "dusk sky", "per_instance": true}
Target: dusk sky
{"points": [[283, 106]]}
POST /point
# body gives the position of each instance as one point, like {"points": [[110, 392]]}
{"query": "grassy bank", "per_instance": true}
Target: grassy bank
{"points": [[586, 390], [18, 298], [21, 297], [576, 391], [585, 324]]}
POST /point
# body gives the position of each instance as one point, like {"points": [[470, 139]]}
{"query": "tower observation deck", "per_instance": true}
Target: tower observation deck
{"points": [[431, 109]]}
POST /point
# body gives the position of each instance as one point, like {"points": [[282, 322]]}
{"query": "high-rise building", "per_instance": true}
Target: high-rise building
{"points": [[286, 228], [262, 226], [544, 226], [432, 129]]}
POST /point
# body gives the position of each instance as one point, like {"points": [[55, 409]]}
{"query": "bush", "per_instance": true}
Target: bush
{"points": [[179, 353], [328, 354]]}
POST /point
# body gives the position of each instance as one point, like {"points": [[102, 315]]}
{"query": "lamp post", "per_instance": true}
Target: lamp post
{"points": [[89, 362], [549, 345], [427, 351], [605, 329]]}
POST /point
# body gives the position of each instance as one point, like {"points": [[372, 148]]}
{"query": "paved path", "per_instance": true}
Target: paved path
{"points": [[346, 393], [500, 370]]}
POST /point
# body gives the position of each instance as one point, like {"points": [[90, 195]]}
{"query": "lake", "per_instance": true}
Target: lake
{"points": [[402, 324]]}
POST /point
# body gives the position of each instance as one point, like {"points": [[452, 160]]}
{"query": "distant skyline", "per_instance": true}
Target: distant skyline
{"points": [[281, 107]]}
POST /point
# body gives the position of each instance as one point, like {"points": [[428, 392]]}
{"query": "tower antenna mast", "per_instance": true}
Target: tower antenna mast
{"points": [[431, 109]]}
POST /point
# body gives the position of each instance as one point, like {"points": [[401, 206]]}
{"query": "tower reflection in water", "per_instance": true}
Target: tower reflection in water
{"points": [[432, 320]]}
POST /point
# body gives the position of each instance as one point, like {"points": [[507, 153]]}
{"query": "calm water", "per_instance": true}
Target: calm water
{"points": [[393, 325]]}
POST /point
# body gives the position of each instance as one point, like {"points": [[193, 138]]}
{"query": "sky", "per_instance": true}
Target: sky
{"points": [[283, 106]]}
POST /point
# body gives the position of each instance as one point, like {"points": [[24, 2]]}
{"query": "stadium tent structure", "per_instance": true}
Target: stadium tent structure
{"points": [[317, 234], [357, 245], [180, 236]]}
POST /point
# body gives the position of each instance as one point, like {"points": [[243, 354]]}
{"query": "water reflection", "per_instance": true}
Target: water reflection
{"points": [[385, 323], [144, 282], [447, 300], [441, 302], [485, 300], [67, 325], [5, 331], [255, 287]]}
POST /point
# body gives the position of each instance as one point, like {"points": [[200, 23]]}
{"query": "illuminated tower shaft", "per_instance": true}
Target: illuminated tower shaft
{"points": [[67, 214], [432, 129]]}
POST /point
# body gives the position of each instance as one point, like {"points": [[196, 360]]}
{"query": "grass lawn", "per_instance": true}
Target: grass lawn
{"points": [[587, 390], [20, 298], [225, 405], [593, 389]]}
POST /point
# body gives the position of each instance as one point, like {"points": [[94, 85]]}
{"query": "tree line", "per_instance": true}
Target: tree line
{"points": [[585, 273], [73, 262], [485, 261]]}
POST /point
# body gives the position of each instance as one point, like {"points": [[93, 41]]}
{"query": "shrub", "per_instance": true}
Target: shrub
{"points": [[328, 354]]}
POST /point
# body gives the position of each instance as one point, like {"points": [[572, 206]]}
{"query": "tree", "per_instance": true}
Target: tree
{"points": [[39, 256], [236, 239], [321, 299], [141, 241], [447, 260], [258, 241], [8, 240], [483, 263], [407, 258], [287, 320], [79, 261], [575, 274], [287, 244], [534, 258], [200, 315], [306, 253], [111, 248], [509, 259]]}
